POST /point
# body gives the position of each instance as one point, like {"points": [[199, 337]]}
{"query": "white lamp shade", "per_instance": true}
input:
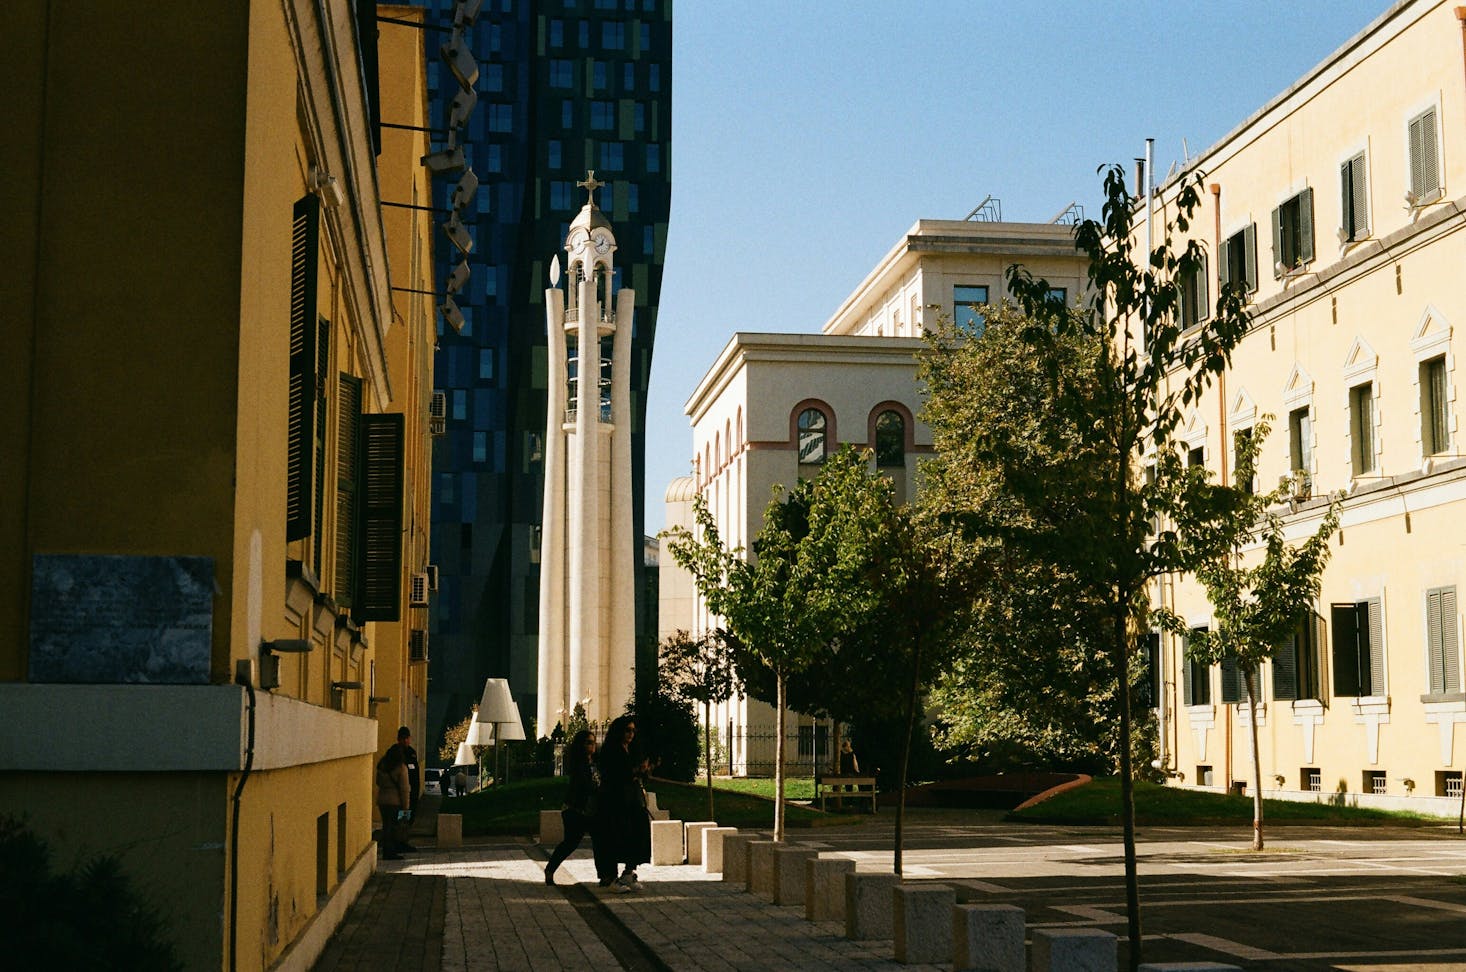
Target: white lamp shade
{"points": [[512, 731], [464, 756], [479, 734], [497, 704]]}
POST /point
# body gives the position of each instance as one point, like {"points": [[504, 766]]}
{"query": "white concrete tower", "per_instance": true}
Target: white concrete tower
{"points": [[587, 591]]}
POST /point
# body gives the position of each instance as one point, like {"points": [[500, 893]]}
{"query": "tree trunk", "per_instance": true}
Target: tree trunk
{"points": [[1251, 677], [1127, 784], [707, 749], [779, 756], [906, 755]]}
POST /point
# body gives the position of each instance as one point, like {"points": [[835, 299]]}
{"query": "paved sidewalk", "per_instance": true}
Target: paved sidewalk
{"points": [[1319, 899]]}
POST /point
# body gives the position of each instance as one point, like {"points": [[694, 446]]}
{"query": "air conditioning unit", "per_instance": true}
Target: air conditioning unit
{"points": [[418, 596], [432, 570], [438, 414], [417, 646]]}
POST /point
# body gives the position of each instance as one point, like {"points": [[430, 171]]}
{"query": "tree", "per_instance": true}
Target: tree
{"points": [[666, 732], [1257, 608], [1144, 368], [1035, 682], [701, 671], [804, 585]]}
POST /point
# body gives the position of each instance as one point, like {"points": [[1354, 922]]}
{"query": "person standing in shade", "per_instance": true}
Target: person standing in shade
{"points": [[623, 834], [392, 789], [409, 758], [580, 802]]}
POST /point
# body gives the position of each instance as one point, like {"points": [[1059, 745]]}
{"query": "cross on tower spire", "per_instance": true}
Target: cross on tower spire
{"points": [[590, 184]]}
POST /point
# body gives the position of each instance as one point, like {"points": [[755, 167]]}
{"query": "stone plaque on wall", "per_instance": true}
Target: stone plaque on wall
{"points": [[111, 619]]}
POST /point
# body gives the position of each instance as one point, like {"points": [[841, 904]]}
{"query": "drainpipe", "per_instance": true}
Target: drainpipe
{"points": [[249, 759]]}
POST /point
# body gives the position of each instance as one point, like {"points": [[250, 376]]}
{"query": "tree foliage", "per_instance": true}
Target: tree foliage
{"points": [[700, 671]]}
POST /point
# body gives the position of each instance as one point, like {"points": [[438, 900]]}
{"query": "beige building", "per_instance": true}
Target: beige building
{"points": [[1338, 206], [773, 406], [215, 431]]}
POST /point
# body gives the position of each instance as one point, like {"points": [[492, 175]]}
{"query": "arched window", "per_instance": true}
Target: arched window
{"points": [[890, 439], [812, 446]]}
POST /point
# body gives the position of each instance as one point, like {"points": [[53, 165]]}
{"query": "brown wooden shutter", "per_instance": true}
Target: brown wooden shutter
{"points": [[379, 538], [348, 474], [304, 250]]}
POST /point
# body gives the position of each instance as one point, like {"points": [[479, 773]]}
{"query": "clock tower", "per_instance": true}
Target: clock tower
{"points": [[587, 631]]}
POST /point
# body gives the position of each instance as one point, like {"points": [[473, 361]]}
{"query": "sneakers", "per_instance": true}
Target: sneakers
{"points": [[630, 880], [620, 887]]}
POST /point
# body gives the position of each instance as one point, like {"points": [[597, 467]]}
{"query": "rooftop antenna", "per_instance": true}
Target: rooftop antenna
{"points": [[1185, 151], [990, 210]]}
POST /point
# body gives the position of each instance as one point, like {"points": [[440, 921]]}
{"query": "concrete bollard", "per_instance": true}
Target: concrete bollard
{"points": [[1189, 967], [450, 830], [1073, 950], [692, 838], [824, 887], [868, 905], [789, 873], [667, 842], [735, 857], [712, 848], [552, 828], [987, 938], [761, 867], [921, 923]]}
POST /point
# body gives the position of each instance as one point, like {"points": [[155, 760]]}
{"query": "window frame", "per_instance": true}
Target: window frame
{"points": [[1363, 444], [1293, 233], [1239, 252], [1365, 658], [965, 313], [1195, 296], [1435, 406], [1420, 191], [798, 430], [1195, 675]]}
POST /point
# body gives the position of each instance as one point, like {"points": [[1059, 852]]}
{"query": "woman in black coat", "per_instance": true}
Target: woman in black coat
{"points": [[580, 802], [623, 834]]}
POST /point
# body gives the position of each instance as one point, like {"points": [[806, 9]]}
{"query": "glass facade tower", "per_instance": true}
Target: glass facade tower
{"points": [[564, 86]]}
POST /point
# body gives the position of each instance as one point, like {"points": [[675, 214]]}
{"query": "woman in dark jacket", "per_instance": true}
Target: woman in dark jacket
{"points": [[580, 801], [623, 834]]}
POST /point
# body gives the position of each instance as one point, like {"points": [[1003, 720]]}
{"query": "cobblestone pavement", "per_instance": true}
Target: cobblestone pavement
{"points": [[1318, 899]]}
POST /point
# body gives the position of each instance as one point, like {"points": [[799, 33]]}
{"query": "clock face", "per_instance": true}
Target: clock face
{"points": [[603, 243]]}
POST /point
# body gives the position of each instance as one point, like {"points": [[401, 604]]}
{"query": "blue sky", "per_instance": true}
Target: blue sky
{"points": [[808, 136]]}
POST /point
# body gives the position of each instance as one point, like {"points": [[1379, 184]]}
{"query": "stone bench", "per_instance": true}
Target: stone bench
{"points": [[552, 827], [712, 848], [789, 862], [868, 905], [692, 838], [921, 923], [667, 845], [824, 887], [1073, 950], [987, 938], [735, 857], [450, 830]]}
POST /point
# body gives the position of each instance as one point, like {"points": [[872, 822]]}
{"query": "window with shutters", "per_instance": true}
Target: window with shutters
{"points": [[1358, 648], [1237, 264], [1195, 677], [318, 442], [1361, 428], [1354, 199], [378, 593], [304, 351], [348, 432], [1425, 158], [1296, 662], [1300, 440], [1234, 682], [1293, 234], [1148, 681], [1442, 643], [1195, 303], [1435, 432]]}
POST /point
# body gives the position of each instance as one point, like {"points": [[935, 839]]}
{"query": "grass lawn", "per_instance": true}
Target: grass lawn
{"points": [[1099, 803], [795, 788], [514, 808]]}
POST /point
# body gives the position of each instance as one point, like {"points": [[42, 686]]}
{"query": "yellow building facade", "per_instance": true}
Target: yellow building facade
{"points": [[1338, 207], [213, 505]]}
